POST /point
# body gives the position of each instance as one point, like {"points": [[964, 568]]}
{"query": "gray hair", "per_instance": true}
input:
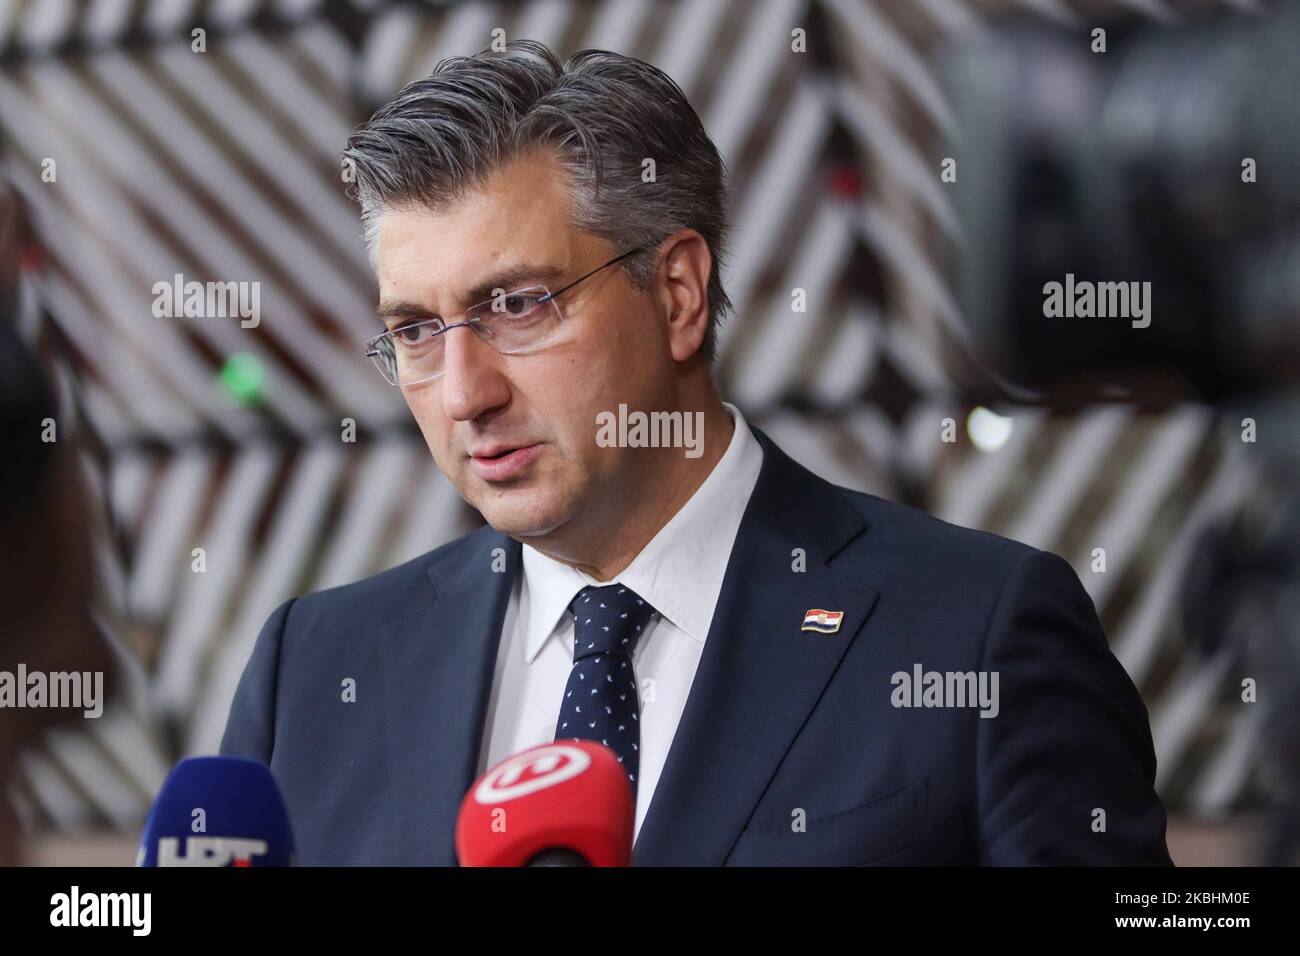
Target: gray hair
{"points": [[601, 113]]}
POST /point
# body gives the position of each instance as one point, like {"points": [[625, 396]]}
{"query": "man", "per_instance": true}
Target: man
{"points": [[547, 241]]}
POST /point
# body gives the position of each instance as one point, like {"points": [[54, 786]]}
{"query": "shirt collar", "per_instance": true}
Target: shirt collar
{"points": [[679, 572]]}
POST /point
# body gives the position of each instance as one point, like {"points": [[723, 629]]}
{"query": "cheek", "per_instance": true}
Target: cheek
{"points": [[426, 407], [642, 343], [624, 353]]}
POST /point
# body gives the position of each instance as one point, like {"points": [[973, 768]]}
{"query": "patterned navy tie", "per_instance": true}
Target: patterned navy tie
{"points": [[601, 701]]}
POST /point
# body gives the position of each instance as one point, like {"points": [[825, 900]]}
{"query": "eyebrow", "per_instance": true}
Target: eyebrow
{"points": [[507, 279]]}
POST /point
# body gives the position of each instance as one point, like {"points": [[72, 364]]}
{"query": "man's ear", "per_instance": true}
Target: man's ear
{"points": [[682, 284]]}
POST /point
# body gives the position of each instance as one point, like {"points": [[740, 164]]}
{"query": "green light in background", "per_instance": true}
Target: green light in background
{"points": [[242, 377]]}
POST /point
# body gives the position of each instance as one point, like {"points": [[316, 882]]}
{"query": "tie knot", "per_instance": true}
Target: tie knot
{"points": [[608, 620]]}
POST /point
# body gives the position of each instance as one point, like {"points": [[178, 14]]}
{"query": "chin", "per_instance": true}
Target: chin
{"points": [[522, 514]]}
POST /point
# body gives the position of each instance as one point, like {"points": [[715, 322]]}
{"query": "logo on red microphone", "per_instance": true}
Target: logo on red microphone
{"points": [[531, 771]]}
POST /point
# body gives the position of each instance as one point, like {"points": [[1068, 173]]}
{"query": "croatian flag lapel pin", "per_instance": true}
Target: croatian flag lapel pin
{"points": [[823, 622]]}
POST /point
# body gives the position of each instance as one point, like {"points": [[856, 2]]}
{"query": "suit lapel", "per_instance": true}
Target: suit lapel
{"points": [[760, 676], [438, 663]]}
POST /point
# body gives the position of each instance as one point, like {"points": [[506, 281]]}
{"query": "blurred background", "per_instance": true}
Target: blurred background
{"points": [[131, 155]]}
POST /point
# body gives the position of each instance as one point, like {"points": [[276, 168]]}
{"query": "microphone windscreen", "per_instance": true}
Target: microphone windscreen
{"points": [[218, 811], [566, 801]]}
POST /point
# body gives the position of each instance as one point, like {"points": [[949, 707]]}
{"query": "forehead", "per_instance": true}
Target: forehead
{"points": [[519, 214]]}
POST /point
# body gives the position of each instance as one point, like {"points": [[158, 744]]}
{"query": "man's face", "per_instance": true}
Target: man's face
{"points": [[516, 434]]}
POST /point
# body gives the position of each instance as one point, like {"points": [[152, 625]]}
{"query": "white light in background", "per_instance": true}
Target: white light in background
{"points": [[988, 430]]}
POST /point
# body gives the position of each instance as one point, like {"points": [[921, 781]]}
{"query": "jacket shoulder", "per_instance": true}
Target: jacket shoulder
{"points": [[923, 541], [396, 590]]}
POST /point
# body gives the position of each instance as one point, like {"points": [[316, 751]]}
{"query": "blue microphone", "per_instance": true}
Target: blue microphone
{"points": [[217, 811]]}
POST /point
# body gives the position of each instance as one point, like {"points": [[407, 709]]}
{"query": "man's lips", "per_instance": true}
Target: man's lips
{"points": [[500, 462]]}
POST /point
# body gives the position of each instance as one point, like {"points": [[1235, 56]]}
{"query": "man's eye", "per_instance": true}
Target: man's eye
{"points": [[518, 306], [414, 334]]}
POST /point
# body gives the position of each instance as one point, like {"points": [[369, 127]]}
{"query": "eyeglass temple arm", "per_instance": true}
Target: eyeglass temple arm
{"points": [[557, 292]]}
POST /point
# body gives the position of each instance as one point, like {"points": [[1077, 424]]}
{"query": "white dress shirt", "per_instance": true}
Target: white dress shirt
{"points": [[679, 572]]}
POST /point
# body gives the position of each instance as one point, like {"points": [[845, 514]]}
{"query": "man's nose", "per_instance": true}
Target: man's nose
{"points": [[472, 382]]}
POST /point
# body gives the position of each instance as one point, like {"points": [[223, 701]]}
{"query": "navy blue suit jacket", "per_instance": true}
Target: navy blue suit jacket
{"points": [[791, 749]]}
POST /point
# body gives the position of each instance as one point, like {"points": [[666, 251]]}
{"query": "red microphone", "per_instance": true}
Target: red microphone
{"points": [[563, 804]]}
